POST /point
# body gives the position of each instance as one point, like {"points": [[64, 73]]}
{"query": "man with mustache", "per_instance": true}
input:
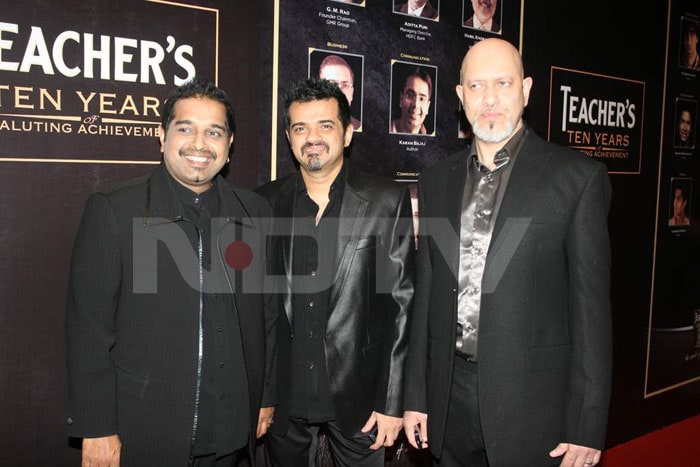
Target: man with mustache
{"points": [[510, 349], [483, 19], [170, 350], [347, 246]]}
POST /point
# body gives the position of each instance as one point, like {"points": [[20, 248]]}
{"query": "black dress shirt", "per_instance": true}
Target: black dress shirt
{"points": [[222, 409], [314, 251]]}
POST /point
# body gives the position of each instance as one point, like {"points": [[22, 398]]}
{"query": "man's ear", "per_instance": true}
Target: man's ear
{"points": [[161, 136], [349, 131]]}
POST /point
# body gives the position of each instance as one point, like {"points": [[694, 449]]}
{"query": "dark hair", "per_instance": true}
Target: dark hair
{"points": [[420, 73], [313, 89], [689, 28], [679, 185], [198, 86]]}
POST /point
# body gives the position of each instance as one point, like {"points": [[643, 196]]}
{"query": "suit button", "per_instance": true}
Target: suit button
{"points": [[70, 420]]}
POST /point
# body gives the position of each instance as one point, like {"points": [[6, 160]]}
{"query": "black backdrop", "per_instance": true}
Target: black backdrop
{"points": [[42, 202]]}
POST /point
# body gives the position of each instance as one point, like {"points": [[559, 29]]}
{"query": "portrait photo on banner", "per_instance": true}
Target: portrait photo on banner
{"points": [[484, 15], [681, 194], [685, 123], [344, 69], [423, 9], [412, 98]]}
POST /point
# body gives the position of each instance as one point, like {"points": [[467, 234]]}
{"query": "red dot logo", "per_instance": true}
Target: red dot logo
{"points": [[238, 255]]}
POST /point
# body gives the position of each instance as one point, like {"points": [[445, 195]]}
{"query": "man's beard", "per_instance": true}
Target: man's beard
{"points": [[489, 135], [314, 163], [313, 159]]}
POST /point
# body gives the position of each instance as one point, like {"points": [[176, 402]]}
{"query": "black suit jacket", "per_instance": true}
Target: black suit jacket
{"points": [[428, 10], [544, 344], [371, 297], [133, 321], [495, 27]]}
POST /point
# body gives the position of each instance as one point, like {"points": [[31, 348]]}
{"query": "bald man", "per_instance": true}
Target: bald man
{"points": [[510, 347]]}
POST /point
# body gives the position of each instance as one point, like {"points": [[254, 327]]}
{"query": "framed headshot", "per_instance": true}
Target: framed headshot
{"points": [[352, 2], [689, 55], [346, 70], [484, 15], [680, 196], [685, 123], [424, 9], [412, 98]]}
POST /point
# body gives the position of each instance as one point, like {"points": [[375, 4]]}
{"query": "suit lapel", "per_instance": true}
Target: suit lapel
{"points": [[284, 212], [528, 168], [352, 216], [454, 190]]}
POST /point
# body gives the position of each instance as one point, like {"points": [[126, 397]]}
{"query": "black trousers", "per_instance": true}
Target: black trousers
{"points": [[464, 442], [229, 460], [298, 447]]}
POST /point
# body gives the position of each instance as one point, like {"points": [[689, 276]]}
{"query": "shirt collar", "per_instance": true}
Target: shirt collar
{"points": [[505, 156], [189, 197], [336, 186], [417, 12]]}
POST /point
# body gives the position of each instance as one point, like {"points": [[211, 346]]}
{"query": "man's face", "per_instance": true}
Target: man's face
{"points": [[484, 9], [493, 91], [414, 103], [678, 203], [196, 146], [316, 135], [690, 42], [341, 76], [685, 125]]}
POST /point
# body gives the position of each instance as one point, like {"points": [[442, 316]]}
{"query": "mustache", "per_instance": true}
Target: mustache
{"points": [[197, 152], [313, 144]]}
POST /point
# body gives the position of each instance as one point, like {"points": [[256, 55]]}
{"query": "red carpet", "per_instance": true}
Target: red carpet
{"points": [[676, 445]]}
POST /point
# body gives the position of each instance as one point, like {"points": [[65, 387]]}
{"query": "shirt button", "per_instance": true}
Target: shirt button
{"points": [[221, 397], [486, 212], [221, 364], [220, 329], [472, 291], [313, 273], [311, 304], [69, 421], [311, 366]]}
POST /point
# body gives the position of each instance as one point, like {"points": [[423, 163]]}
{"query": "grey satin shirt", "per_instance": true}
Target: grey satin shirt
{"points": [[481, 200]]}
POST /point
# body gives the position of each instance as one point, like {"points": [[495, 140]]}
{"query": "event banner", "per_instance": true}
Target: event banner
{"points": [[598, 115], [86, 83], [673, 350], [398, 68]]}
